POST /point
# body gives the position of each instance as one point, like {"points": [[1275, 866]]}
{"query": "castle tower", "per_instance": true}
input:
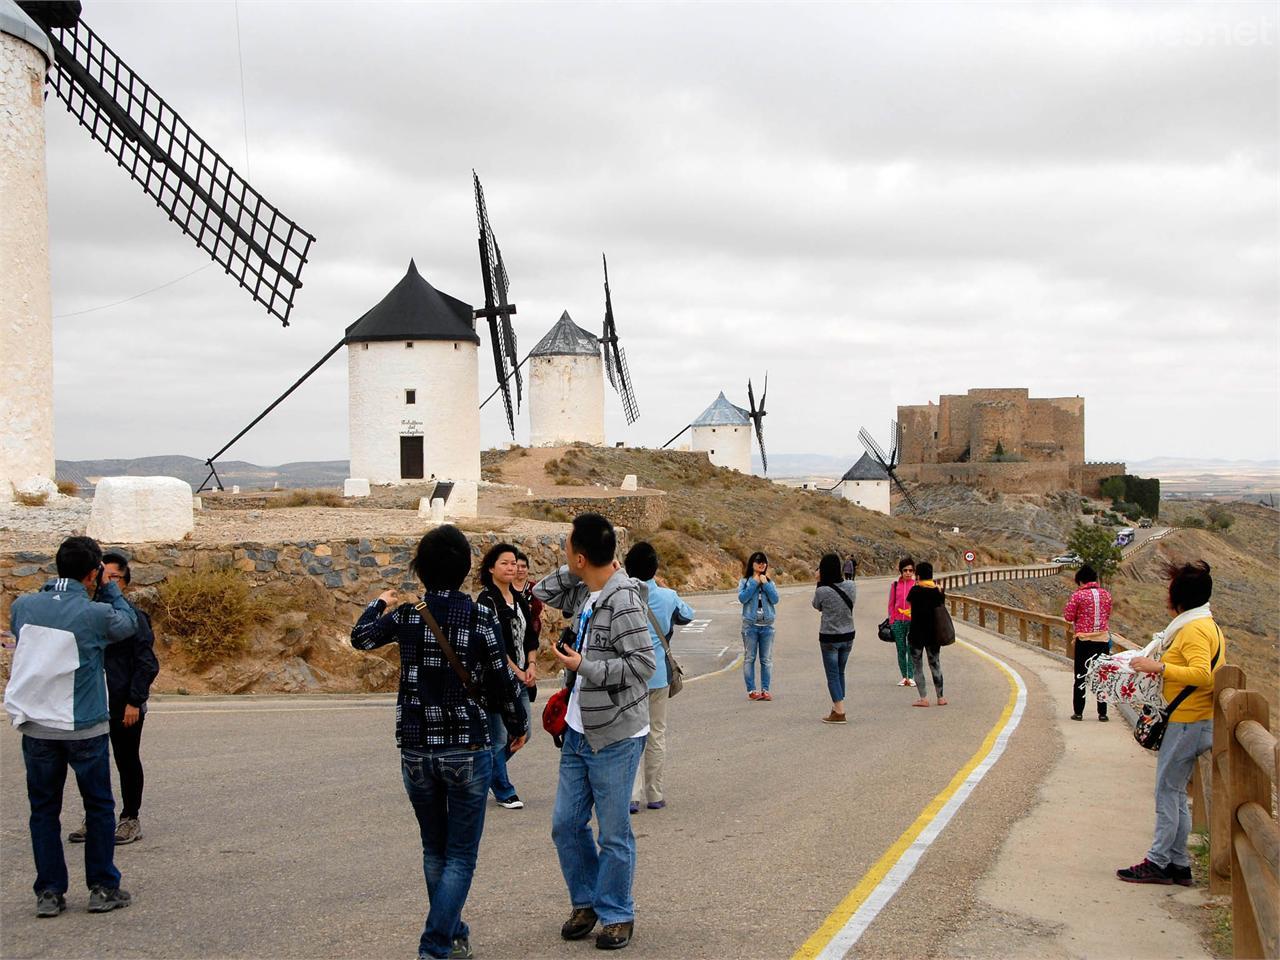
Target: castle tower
{"points": [[566, 387], [413, 392], [26, 309], [723, 430]]}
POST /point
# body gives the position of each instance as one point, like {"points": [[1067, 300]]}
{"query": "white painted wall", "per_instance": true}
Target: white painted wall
{"points": [[445, 374], [871, 494], [726, 446], [26, 324], [566, 401]]}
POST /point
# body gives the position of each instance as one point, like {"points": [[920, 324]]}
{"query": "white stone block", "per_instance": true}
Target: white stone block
{"points": [[197, 503], [629, 482], [141, 510], [437, 510], [355, 487], [35, 486], [424, 507], [235, 488], [464, 500]]}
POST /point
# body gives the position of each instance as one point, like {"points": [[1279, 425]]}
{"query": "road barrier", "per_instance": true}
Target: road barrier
{"points": [[971, 578], [1051, 633]]}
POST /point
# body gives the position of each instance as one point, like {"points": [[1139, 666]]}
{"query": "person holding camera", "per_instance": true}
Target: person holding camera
{"points": [[453, 670], [57, 698], [758, 597]]}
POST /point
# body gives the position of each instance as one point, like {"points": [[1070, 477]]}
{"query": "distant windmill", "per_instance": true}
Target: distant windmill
{"points": [[497, 310], [757, 415], [615, 358], [890, 461]]}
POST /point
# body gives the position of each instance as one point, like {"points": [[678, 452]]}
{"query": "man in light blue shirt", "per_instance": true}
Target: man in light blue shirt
{"points": [[668, 609]]}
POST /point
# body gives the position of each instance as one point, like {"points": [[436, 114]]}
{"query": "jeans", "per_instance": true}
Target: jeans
{"points": [[447, 788], [935, 668], [648, 786], [757, 641], [47, 762], [834, 658], [125, 745], [899, 629], [597, 878], [1086, 650], [1183, 742], [500, 782]]}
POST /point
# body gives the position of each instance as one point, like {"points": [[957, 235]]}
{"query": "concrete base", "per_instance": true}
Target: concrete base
{"points": [[424, 507], [464, 501], [436, 510], [629, 482], [353, 487], [141, 510]]}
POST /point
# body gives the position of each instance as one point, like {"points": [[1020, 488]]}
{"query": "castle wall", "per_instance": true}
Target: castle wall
{"points": [[566, 401], [1088, 477], [1055, 429], [918, 423], [995, 423], [1027, 477]]}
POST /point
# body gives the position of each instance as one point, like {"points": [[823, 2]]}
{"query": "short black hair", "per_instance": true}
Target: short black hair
{"points": [[904, 563], [924, 570], [443, 559], [593, 537], [1190, 585], [78, 557], [121, 561], [491, 557], [757, 557], [522, 557], [1086, 574], [829, 572], [642, 561]]}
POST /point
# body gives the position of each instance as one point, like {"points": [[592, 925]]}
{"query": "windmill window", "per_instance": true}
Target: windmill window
{"points": [[455, 346], [713, 453], [365, 345], [408, 345], [411, 396]]}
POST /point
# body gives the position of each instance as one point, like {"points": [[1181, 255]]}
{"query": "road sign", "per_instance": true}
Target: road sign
{"points": [[970, 556]]}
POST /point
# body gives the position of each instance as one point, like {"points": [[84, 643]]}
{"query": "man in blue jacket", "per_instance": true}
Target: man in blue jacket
{"points": [[57, 698]]}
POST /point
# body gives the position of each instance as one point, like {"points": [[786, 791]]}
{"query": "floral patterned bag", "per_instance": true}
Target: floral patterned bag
{"points": [[1112, 681]]}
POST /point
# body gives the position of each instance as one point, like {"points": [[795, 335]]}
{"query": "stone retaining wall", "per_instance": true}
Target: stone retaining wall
{"points": [[643, 512]]}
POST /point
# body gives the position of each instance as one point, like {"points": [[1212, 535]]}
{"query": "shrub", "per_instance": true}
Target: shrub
{"points": [[209, 613], [1218, 518], [32, 499], [809, 530], [307, 498], [68, 488], [552, 466], [1192, 522]]}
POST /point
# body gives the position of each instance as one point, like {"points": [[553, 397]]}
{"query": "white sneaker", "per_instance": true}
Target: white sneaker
{"points": [[910, 682], [515, 803], [902, 682]]}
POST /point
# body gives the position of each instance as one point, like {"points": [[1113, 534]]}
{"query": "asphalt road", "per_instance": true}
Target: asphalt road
{"points": [[278, 827]]}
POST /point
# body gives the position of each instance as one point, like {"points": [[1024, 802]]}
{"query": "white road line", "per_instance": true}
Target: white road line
{"points": [[722, 651]]}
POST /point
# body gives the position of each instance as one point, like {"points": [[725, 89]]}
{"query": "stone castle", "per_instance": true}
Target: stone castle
{"points": [[1002, 440]]}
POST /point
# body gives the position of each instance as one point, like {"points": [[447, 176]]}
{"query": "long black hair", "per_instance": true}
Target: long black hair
{"points": [[491, 557], [829, 572], [748, 568]]}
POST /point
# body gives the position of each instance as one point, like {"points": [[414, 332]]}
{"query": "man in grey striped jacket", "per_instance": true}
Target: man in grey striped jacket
{"points": [[608, 667]]}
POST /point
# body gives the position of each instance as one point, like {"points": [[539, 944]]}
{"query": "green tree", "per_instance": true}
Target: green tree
{"points": [[1096, 547], [1113, 488]]}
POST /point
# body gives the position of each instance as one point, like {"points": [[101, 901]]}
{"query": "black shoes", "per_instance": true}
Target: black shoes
{"points": [[50, 904], [615, 936], [1104, 719], [1180, 875], [1076, 716], [1145, 872], [581, 922], [103, 899]]}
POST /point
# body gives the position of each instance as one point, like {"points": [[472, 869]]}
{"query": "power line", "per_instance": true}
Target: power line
{"points": [[244, 105], [108, 306]]}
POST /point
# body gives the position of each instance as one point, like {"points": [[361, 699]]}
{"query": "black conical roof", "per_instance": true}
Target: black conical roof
{"points": [[415, 310], [866, 469], [567, 339]]}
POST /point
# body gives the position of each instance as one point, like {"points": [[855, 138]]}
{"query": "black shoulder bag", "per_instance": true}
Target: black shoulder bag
{"points": [[1152, 723], [885, 630]]}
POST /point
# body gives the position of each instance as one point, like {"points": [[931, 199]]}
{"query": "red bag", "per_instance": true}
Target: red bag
{"points": [[554, 715]]}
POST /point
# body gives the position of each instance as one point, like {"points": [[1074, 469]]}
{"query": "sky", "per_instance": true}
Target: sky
{"points": [[874, 204]]}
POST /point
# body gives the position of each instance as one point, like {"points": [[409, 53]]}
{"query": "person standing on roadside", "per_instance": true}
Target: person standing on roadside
{"points": [[900, 618], [442, 728], [1089, 613], [758, 597], [57, 698], [607, 670], [835, 597], [923, 599]]}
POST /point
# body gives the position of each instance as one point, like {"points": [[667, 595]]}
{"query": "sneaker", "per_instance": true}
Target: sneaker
{"points": [[764, 695], [942, 701], [635, 807], [1181, 875], [902, 682], [1076, 716], [581, 922], [50, 904], [753, 695], [78, 834], [1104, 719], [128, 830], [615, 936], [922, 702], [910, 682], [103, 899], [1145, 872], [461, 949], [657, 805], [834, 717], [512, 803]]}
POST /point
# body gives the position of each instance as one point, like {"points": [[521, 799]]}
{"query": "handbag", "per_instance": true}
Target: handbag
{"points": [[555, 713], [885, 630], [944, 631], [1152, 723], [675, 672]]}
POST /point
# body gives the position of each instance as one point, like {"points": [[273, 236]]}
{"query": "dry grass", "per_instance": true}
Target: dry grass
{"points": [[209, 613], [307, 498], [68, 488], [31, 499]]}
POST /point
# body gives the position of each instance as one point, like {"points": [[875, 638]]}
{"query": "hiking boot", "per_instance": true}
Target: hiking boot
{"points": [[461, 949], [512, 803], [834, 717], [1180, 875], [615, 936], [1145, 872], [104, 899], [128, 830], [581, 922], [78, 834], [50, 904]]}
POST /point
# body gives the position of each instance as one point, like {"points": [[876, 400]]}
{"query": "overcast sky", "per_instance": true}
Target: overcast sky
{"points": [[876, 204]]}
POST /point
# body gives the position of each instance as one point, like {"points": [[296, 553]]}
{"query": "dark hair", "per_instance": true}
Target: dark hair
{"points": [[593, 537], [121, 561], [757, 557], [924, 570], [904, 563], [78, 557], [522, 557], [1190, 585], [642, 561], [491, 557], [829, 573], [443, 559], [1086, 574]]}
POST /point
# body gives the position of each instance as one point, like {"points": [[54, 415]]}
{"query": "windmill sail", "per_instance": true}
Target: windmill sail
{"points": [[757, 417], [889, 461], [615, 358], [227, 218], [498, 310]]}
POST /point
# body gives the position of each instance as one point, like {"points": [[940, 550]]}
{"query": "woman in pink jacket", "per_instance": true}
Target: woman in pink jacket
{"points": [[900, 617], [1089, 613]]}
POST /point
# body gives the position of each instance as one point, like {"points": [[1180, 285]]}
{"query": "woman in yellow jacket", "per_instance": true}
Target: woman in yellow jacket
{"points": [[1194, 649]]}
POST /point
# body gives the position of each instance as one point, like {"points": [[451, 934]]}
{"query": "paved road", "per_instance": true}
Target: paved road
{"points": [[279, 827]]}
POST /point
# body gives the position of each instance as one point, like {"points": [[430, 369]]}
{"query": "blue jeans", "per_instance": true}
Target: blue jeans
{"points": [[47, 762], [834, 658], [1183, 742], [757, 641], [500, 782], [448, 789], [600, 879]]}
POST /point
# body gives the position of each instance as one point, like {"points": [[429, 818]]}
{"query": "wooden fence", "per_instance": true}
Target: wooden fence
{"points": [[971, 578]]}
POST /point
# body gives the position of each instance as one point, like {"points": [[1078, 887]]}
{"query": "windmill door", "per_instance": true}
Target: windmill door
{"points": [[411, 458]]}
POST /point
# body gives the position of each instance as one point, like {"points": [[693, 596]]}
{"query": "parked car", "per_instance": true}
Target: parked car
{"points": [[1069, 559], [1144, 523]]}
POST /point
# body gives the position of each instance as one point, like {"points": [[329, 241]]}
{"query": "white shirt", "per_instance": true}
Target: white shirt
{"points": [[573, 715]]}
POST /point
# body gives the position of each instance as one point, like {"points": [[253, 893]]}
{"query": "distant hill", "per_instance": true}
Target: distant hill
{"points": [[307, 473], [1156, 464], [804, 464]]}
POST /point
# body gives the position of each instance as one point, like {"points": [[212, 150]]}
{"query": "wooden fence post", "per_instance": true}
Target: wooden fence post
{"points": [[1000, 620], [1247, 783], [982, 615], [1227, 677], [1046, 641], [1022, 629]]}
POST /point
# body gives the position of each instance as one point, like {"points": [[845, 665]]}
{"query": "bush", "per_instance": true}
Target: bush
{"points": [[1136, 490], [209, 613], [32, 499], [809, 531], [1192, 522], [307, 498], [1218, 517], [68, 488]]}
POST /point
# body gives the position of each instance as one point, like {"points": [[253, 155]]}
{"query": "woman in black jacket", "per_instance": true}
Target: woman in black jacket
{"points": [[497, 571], [924, 599]]}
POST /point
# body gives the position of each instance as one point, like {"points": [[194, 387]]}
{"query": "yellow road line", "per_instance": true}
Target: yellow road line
{"points": [[850, 919]]}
